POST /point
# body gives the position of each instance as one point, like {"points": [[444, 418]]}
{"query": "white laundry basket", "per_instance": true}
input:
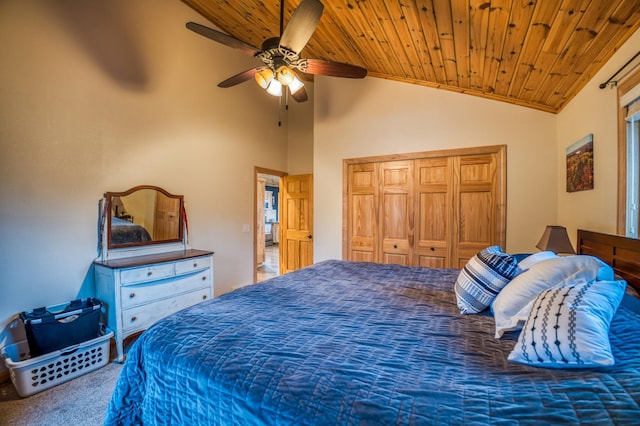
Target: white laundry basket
{"points": [[33, 375]]}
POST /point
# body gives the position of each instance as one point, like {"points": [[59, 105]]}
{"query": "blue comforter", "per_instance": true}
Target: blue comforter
{"points": [[125, 232], [358, 343]]}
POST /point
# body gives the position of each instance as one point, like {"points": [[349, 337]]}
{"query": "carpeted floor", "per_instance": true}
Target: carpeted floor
{"points": [[81, 401]]}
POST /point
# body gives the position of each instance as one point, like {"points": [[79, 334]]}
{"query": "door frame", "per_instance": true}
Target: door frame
{"points": [[257, 171]]}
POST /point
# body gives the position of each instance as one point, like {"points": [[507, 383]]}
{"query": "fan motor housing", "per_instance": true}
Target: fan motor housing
{"points": [[271, 43]]}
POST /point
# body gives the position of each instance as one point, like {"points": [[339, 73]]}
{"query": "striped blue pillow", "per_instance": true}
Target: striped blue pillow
{"points": [[483, 277]]}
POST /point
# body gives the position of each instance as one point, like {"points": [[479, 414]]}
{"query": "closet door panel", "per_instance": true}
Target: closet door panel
{"points": [[396, 226], [475, 214], [363, 213], [433, 212], [475, 209], [363, 225]]}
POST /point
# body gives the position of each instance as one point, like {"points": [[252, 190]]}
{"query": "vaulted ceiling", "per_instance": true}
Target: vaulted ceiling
{"points": [[535, 53]]}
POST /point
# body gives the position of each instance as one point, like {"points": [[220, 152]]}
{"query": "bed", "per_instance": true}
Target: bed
{"points": [[125, 232], [360, 343]]}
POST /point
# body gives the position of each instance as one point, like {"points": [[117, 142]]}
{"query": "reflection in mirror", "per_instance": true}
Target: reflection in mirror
{"points": [[143, 215]]}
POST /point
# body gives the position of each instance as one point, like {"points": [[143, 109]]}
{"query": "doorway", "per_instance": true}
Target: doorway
{"points": [[267, 224]]}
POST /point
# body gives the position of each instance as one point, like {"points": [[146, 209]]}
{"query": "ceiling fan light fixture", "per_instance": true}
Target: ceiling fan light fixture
{"points": [[285, 75], [264, 77], [295, 85], [281, 55], [275, 88]]}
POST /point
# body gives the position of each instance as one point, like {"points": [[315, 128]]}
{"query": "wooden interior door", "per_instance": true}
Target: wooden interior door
{"points": [[296, 222], [167, 218], [363, 212], [396, 212], [434, 198]]}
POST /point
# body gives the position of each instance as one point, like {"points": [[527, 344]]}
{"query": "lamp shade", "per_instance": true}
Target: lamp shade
{"points": [[295, 85], [285, 75], [275, 88], [264, 77], [555, 239]]}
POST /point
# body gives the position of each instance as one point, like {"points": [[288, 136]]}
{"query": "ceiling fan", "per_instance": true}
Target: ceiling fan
{"points": [[281, 55]]}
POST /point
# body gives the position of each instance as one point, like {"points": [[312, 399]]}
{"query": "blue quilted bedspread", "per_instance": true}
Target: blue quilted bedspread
{"points": [[359, 343]]}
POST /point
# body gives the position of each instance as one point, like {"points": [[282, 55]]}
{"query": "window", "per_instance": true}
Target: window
{"points": [[633, 128], [629, 156]]}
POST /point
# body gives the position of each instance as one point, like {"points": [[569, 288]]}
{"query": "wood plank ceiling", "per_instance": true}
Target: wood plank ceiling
{"points": [[535, 53]]}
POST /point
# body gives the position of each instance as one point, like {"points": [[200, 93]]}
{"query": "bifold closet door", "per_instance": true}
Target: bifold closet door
{"points": [[435, 210]]}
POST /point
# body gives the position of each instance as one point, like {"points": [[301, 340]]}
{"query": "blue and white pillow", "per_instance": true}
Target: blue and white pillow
{"points": [[512, 306], [568, 326], [482, 278]]}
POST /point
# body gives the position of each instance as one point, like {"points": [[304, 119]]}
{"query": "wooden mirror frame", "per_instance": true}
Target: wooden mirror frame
{"points": [[110, 198]]}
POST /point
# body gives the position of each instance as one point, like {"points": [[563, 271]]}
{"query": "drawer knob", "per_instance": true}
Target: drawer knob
{"points": [[204, 278], [204, 297], [395, 246], [132, 295], [149, 273], [195, 264], [133, 319]]}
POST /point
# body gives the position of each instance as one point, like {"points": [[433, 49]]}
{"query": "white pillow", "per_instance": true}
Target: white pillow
{"points": [[531, 260], [511, 307], [483, 277], [568, 326]]}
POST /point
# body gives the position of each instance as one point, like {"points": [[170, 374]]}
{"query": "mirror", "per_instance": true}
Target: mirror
{"points": [[143, 215]]}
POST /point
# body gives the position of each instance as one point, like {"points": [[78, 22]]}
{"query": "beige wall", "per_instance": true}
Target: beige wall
{"points": [[103, 96], [375, 117], [594, 111], [300, 136]]}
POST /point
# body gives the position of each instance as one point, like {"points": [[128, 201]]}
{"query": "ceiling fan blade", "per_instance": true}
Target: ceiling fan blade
{"points": [[329, 68], [223, 38], [301, 26], [239, 78], [300, 95]]}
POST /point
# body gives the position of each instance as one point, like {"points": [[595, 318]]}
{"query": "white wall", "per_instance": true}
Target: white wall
{"points": [[595, 111], [103, 96], [360, 118]]}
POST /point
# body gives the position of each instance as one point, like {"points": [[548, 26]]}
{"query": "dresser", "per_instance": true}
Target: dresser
{"points": [[141, 290]]}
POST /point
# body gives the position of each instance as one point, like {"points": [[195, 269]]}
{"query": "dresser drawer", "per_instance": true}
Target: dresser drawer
{"points": [[133, 295], [192, 265], [146, 273], [141, 317]]}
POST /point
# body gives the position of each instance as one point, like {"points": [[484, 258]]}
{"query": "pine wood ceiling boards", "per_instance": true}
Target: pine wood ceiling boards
{"points": [[535, 53]]}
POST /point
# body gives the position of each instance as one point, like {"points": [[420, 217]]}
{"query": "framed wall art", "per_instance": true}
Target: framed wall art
{"points": [[580, 165]]}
